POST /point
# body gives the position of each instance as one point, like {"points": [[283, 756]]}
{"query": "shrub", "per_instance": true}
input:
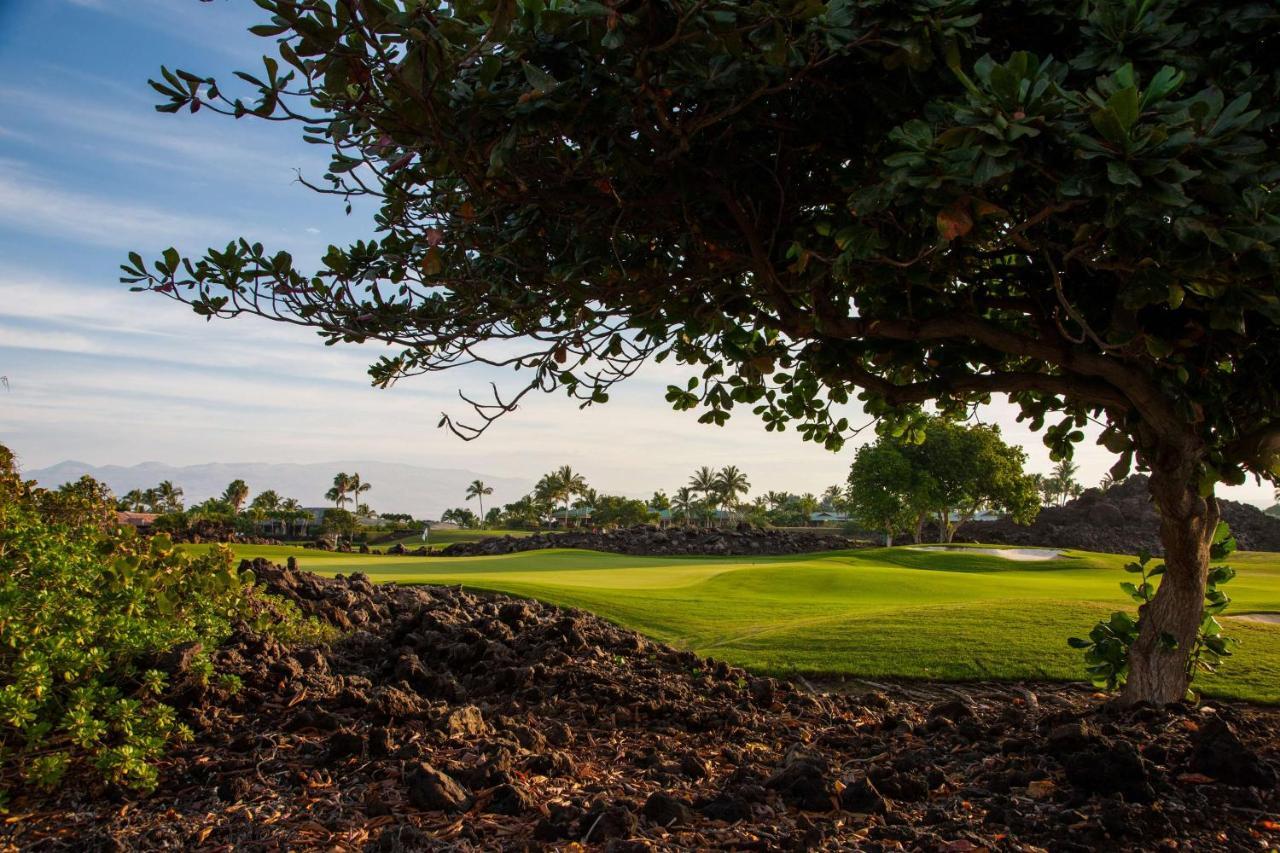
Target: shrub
{"points": [[1106, 651], [82, 607]]}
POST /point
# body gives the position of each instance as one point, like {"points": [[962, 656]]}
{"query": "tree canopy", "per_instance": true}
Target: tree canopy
{"points": [[806, 204]]}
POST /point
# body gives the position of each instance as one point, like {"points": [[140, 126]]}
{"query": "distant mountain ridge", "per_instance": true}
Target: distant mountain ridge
{"points": [[424, 492]]}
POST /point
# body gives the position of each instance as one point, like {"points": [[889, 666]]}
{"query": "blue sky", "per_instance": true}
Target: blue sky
{"points": [[89, 171]]}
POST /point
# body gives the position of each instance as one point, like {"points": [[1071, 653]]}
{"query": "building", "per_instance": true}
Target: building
{"points": [[139, 521], [824, 518]]}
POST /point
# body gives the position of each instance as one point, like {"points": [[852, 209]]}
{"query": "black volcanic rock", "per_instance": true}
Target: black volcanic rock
{"points": [[1121, 520]]}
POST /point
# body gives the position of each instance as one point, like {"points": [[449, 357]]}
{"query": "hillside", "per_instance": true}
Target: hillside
{"points": [[424, 492]]}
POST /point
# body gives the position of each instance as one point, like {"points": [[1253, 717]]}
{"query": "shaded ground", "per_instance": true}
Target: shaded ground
{"points": [[447, 720]]}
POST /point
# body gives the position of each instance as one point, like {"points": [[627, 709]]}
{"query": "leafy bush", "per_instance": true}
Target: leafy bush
{"points": [[1106, 651], [82, 606]]}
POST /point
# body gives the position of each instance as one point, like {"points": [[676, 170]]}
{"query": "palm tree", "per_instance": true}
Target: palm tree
{"points": [[357, 486], [478, 490], [704, 482], [1064, 480], [338, 494], [776, 500], [169, 497], [682, 502], [808, 505], [730, 483], [236, 493], [292, 512], [568, 483], [587, 498], [832, 498], [266, 505], [133, 501]]}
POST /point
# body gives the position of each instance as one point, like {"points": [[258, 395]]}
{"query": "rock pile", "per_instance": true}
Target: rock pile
{"points": [[1121, 520], [447, 720], [743, 540]]}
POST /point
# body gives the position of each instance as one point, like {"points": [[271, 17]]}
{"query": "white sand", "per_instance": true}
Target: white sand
{"points": [[1265, 618], [1019, 554]]}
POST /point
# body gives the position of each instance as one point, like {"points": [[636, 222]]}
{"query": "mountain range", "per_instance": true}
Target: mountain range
{"points": [[423, 492]]}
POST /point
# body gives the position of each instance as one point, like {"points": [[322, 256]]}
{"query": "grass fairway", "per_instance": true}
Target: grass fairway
{"points": [[885, 612]]}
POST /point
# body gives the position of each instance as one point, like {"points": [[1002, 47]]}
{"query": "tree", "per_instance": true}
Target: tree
{"points": [[885, 489], [1061, 485], [167, 497], [704, 482], [969, 468], [132, 501], [730, 484], [682, 503], [659, 501], [357, 487], [265, 506], [461, 516], [1069, 204], [565, 483], [477, 489], [338, 494], [617, 511], [339, 523], [236, 493], [294, 515], [833, 498]]}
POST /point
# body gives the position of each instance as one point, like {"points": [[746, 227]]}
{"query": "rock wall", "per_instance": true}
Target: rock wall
{"points": [[1121, 520], [649, 540]]}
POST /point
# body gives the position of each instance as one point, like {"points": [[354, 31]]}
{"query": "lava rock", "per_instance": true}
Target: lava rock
{"points": [[1219, 753], [433, 790]]}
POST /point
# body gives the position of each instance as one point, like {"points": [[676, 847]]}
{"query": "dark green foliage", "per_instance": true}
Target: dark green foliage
{"points": [[81, 605], [1106, 651]]}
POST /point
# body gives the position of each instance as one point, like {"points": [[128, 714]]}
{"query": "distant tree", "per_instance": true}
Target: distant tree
{"points": [[461, 516], [683, 501], [617, 511], [236, 493], [132, 501], [777, 500], [660, 501], [357, 487], [1062, 483], [265, 507], [341, 486], [885, 489], [833, 498], [293, 514], [704, 482], [586, 499], [340, 523], [493, 517], [477, 489], [565, 483], [730, 485], [971, 468], [167, 497], [807, 504]]}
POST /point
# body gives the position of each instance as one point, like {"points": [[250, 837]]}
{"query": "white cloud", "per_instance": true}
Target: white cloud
{"points": [[41, 207]]}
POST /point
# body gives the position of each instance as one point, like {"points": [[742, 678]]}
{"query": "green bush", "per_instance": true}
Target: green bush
{"points": [[82, 605]]}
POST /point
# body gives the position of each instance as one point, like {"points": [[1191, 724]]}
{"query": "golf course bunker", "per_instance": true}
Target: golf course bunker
{"points": [[1020, 554], [1264, 618]]}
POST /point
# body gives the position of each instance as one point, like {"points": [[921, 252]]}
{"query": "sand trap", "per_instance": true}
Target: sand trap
{"points": [[1265, 618], [1020, 554]]}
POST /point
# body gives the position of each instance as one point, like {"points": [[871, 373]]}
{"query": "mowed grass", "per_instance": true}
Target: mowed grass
{"points": [[878, 613], [440, 538]]}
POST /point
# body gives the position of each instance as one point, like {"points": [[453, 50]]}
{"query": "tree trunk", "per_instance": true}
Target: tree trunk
{"points": [[888, 539], [919, 532], [944, 526], [1157, 669]]}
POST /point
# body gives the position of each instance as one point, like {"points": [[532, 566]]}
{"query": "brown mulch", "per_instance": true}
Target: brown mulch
{"points": [[452, 721]]}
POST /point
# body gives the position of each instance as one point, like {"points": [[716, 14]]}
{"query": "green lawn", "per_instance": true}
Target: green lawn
{"points": [[441, 538], [875, 613]]}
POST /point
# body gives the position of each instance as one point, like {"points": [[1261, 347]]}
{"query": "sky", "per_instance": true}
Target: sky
{"points": [[89, 171]]}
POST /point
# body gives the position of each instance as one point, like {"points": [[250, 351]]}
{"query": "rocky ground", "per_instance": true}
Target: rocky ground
{"points": [[1120, 520], [448, 721], [676, 541]]}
